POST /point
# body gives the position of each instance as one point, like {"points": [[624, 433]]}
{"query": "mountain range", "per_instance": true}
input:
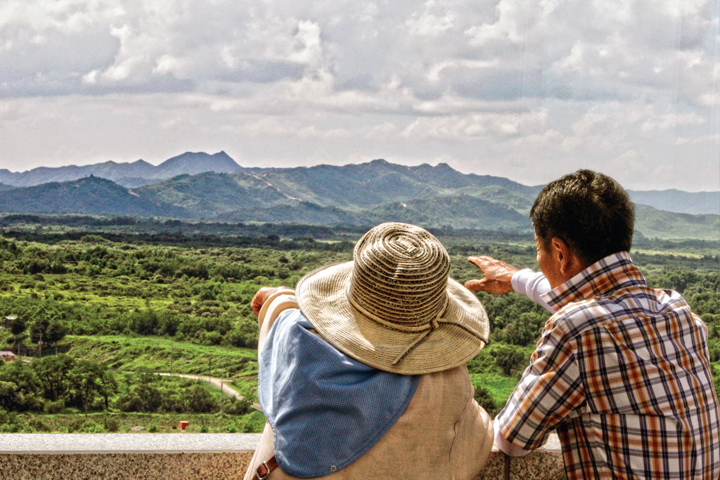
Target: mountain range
{"points": [[130, 175], [214, 187]]}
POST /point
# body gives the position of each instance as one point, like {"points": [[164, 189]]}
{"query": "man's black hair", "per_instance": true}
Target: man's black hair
{"points": [[589, 211]]}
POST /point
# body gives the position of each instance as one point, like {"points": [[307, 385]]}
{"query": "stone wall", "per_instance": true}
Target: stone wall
{"points": [[181, 456]]}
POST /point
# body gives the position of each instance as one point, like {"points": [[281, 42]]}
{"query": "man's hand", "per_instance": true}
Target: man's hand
{"points": [[261, 297], [498, 276]]}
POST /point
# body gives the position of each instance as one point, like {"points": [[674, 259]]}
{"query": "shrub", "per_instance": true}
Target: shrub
{"points": [[200, 400], [253, 422], [485, 400], [85, 426], [141, 398], [172, 403], [508, 358], [55, 407], [111, 424], [236, 406], [37, 425]]}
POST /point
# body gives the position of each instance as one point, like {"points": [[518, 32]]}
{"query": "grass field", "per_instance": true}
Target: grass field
{"points": [[161, 354], [105, 422], [499, 387]]}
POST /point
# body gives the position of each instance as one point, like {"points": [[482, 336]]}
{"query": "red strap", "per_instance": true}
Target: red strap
{"points": [[264, 469]]}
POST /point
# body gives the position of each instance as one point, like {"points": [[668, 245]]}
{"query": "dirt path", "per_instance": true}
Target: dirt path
{"points": [[215, 382]]}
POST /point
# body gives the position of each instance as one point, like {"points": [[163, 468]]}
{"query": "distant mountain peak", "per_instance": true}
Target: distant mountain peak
{"points": [[200, 162]]}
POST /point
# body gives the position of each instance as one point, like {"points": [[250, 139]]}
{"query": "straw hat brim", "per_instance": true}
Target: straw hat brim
{"points": [[322, 296]]}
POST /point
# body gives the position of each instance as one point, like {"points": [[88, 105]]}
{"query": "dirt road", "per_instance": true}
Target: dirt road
{"points": [[216, 382]]}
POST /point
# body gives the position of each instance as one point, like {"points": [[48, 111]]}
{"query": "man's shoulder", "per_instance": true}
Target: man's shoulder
{"points": [[580, 317], [576, 318]]}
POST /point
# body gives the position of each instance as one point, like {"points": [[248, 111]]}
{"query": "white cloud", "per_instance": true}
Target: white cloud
{"points": [[308, 37], [428, 23], [495, 126], [518, 83], [167, 64]]}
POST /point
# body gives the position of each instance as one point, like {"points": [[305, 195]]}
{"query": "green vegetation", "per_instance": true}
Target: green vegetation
{"points": [[101, 313], [114, 299], [58, 383], [659, 223], [164, 354], [14, 422]]}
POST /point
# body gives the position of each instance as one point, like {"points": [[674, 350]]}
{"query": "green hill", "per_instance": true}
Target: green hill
{"points": [[678, 201], [653, 223], [352, 187], [460, 211], [367, 185], [501, 195], [90, 195], [300, 212], [207, 195]]}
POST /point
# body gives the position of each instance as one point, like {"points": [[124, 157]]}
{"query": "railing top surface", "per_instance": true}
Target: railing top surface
{"points": [[79, 443]]}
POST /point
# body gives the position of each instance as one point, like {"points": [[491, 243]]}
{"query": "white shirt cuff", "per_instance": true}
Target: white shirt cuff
{"points": [[532, 285], [505, 446]]}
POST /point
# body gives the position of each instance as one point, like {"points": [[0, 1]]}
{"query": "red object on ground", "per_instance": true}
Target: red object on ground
{"points": [[184, 424]]}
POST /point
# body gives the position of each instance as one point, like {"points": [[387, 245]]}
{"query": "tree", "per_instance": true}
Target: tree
{"points": [[507, 358], [17, 328], [50, 331], [144, 322], [200, 400], [55, 332], [54, 372], [142, 397], [526, 329], [21, 387], [10, 398], [89, 379]]}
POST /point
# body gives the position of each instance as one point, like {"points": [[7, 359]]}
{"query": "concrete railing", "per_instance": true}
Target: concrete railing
{"points": [[188, 456]]}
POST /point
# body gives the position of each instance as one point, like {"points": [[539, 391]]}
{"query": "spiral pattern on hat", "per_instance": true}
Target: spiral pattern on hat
{"points": [[400, 276]]}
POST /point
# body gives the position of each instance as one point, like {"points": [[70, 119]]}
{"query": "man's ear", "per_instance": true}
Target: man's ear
{"points": [[568, 262]]}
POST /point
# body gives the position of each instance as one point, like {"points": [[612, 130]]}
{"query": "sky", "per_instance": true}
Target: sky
{"points": [[528, 90]]}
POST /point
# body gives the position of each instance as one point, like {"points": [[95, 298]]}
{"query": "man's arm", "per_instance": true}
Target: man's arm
{"points": [[501, 278], [505, 446], [267, 304], [533, 285], [550, 392]]}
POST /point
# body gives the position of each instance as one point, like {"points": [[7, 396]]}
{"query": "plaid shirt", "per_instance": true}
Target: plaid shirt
{"points": [[622, 372]]}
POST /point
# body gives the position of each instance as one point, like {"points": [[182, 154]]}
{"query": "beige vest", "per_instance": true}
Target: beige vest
{"points": [[442, 435]]}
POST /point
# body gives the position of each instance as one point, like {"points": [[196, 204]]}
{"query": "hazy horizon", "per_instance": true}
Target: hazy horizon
{"points": [[526, 91], [340, 165]]}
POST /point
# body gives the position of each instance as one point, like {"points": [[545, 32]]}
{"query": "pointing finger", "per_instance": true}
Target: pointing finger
{"points": [[475, 285]]}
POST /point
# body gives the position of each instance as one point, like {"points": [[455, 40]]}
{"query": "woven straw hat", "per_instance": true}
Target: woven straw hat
{"points": [[394, 307]]}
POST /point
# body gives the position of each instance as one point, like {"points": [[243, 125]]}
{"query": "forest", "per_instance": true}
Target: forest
{"points": [[94, 314]]}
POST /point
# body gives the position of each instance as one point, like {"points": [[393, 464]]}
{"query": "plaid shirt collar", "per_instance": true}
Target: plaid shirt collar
{"points": [[602, 277]]}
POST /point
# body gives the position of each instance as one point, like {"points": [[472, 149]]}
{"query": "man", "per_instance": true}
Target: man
{"points": [[621, 371], [362, 368]]}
